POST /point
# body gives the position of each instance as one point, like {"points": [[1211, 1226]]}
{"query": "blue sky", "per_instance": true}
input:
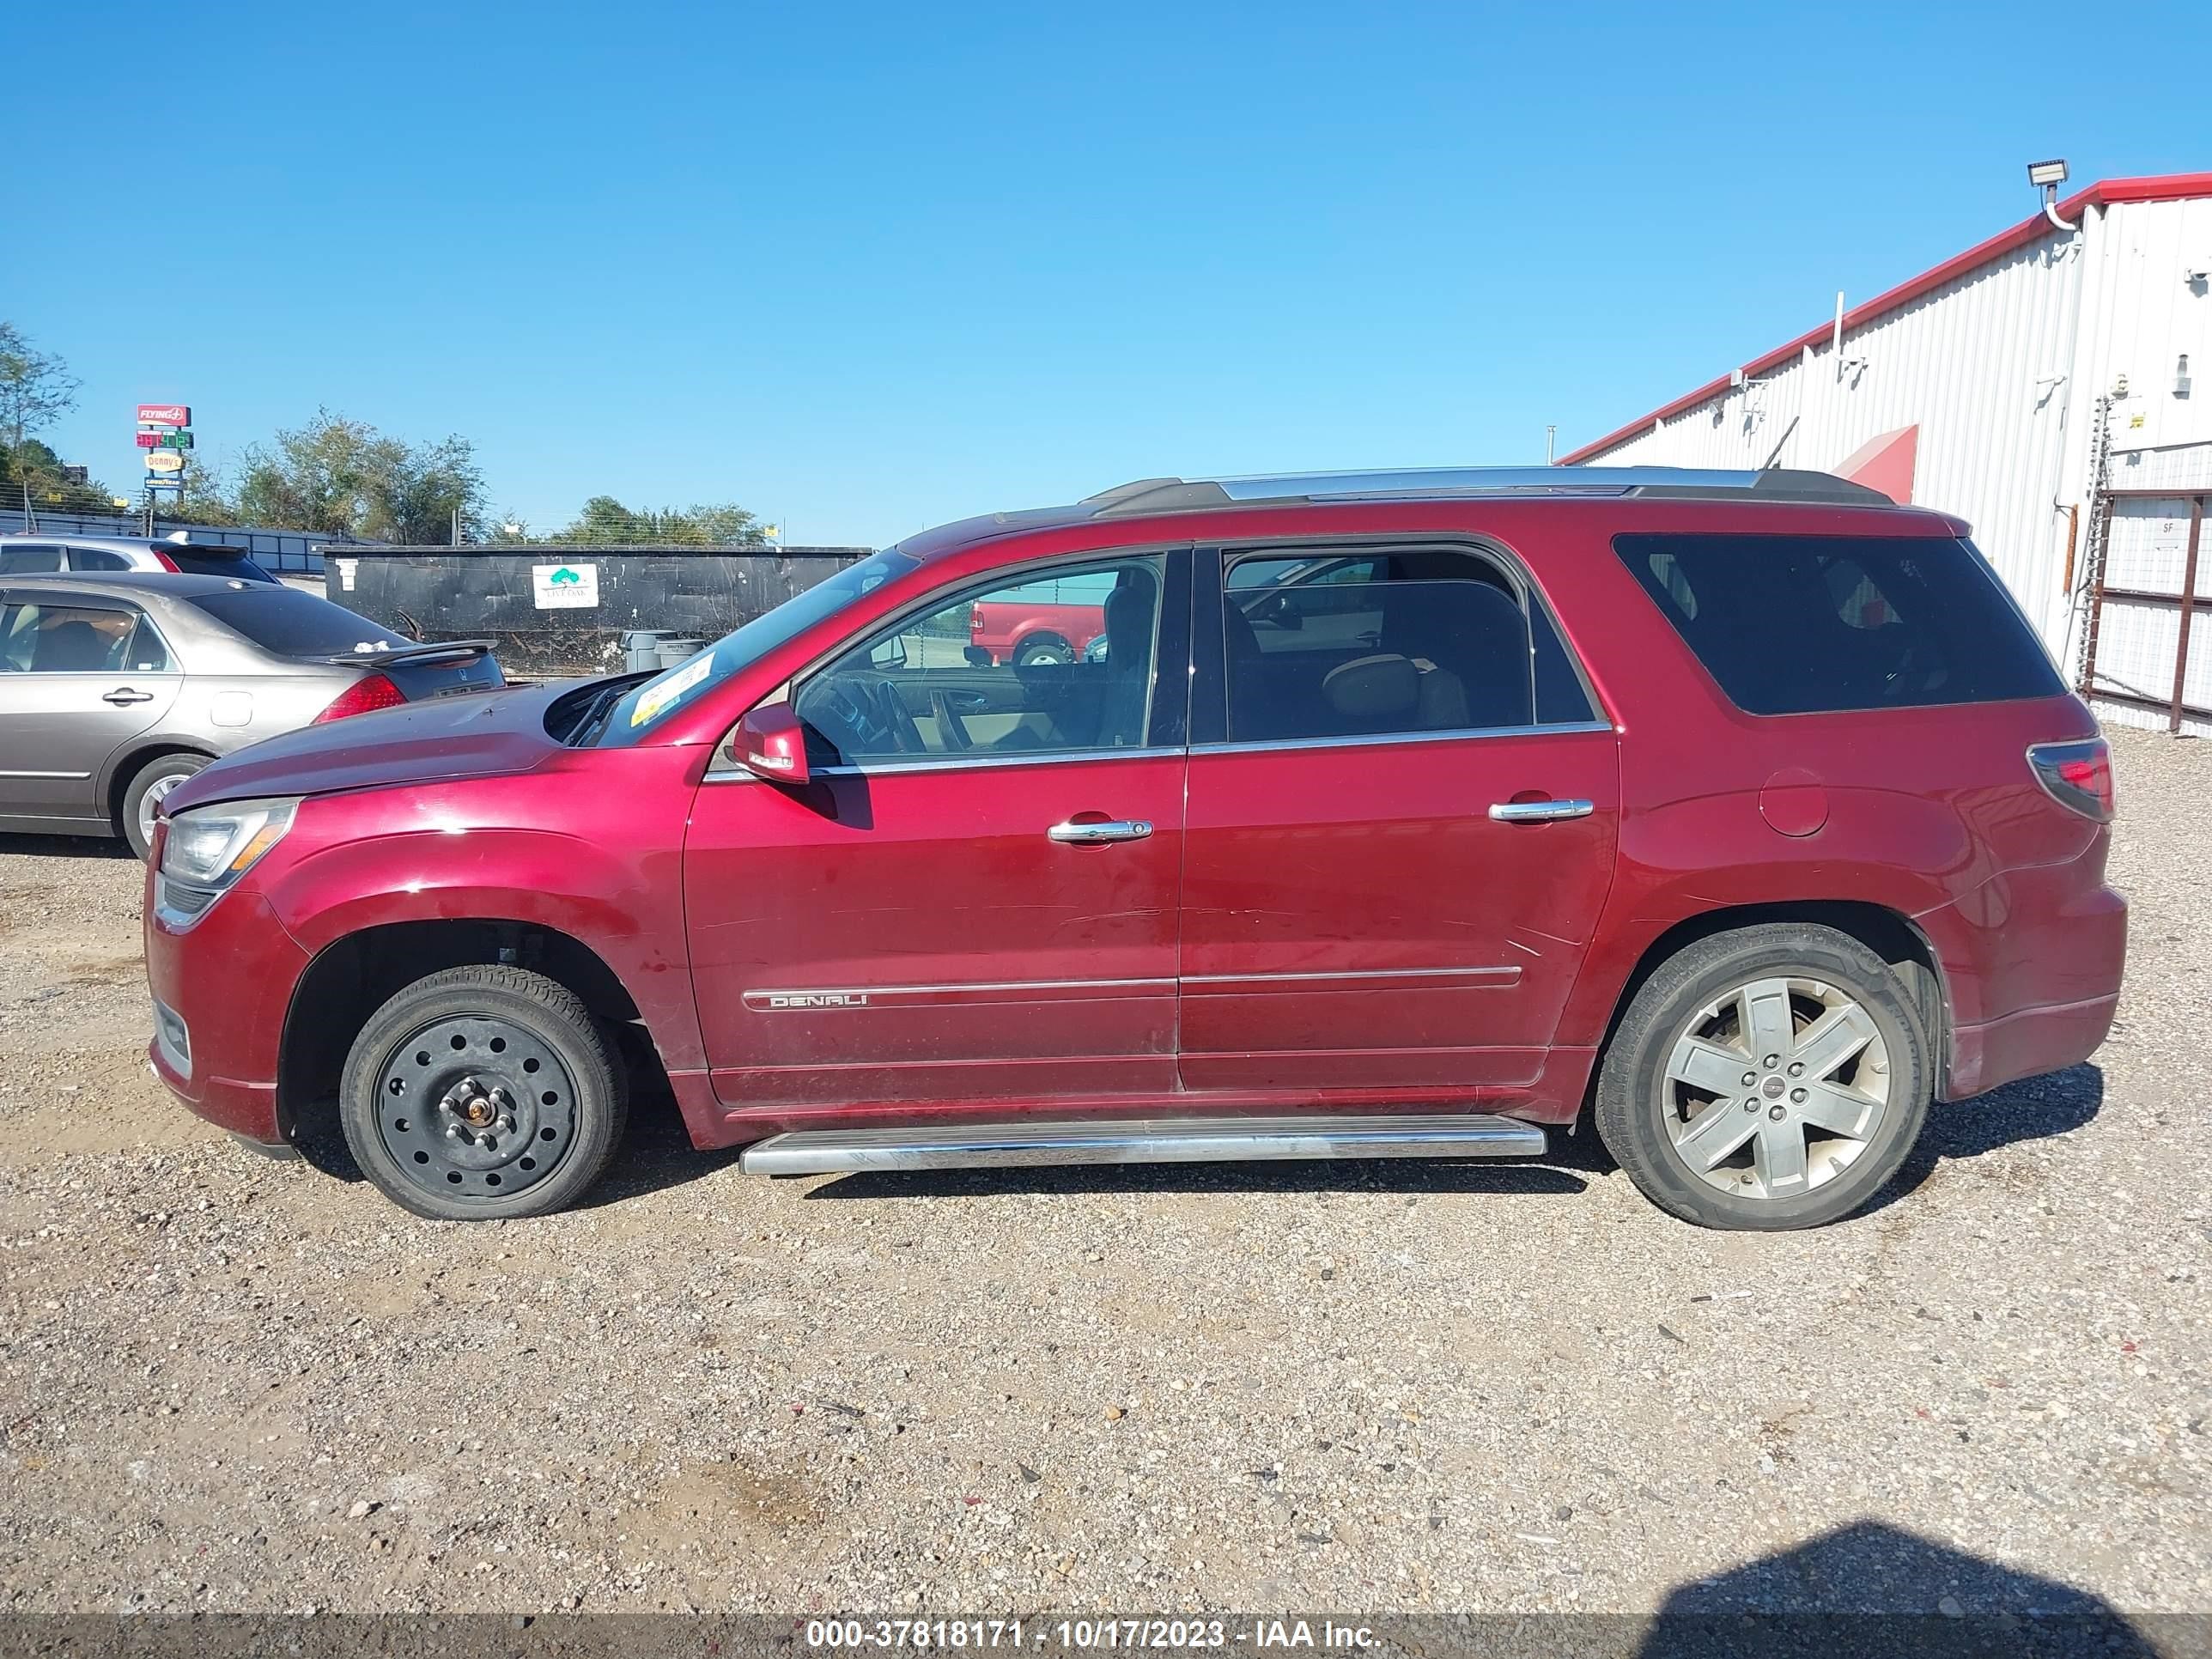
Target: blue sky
{"points": [[867, 267]]}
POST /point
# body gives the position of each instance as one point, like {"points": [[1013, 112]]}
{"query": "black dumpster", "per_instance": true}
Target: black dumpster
{"points": [[562, 610]]}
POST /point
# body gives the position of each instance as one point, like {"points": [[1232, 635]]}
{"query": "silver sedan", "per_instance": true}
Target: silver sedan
{"points": [[114, 689]]}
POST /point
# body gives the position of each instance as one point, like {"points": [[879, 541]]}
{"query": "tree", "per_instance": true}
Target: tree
{"points": [[341, 478], [36, 387], [605, 522], [32, 475]]}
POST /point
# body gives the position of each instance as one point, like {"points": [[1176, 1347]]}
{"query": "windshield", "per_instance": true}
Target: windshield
{"points": [[645, 707]]}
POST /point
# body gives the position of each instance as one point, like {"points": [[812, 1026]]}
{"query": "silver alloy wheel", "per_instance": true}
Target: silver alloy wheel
{"points": [[1775, 1087], [149, 804]]}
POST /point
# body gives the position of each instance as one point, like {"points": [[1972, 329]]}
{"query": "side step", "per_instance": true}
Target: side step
{"points": [[1143, 1141]]}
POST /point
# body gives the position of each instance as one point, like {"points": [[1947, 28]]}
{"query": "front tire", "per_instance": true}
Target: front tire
{"points": [[1766, 1079], [143, 795], [482, 1093]]}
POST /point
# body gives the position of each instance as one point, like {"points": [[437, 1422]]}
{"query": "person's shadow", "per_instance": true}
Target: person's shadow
{"points": [[1873, 1591]]}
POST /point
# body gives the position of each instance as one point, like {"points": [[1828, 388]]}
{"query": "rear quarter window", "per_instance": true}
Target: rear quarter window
{"points": [[1805, 624]]}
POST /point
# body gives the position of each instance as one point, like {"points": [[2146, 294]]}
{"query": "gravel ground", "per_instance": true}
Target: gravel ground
{"points": [[226, 1384]]}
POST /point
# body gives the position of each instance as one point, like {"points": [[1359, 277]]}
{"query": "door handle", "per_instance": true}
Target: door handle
{"points": [[1099, 834], [1540, 812], [122, 695]]}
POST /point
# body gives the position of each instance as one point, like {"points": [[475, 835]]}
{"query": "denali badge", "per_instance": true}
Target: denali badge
{"points": [[818, 999]]}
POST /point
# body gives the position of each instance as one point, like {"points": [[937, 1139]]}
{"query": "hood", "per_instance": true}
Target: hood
{"points": [[431, 742]]}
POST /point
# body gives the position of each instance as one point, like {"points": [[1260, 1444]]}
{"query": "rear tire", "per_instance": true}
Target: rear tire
{"points": [[147, 789], [1766, 1079], [1044, 650], [481, 1094]]}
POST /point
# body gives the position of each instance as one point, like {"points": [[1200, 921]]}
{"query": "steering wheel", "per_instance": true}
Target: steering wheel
{"points": [[841, 709], [951, 730]]}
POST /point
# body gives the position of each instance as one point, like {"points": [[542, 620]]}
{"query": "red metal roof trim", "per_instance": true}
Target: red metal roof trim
{"points": [[2169, 187]]}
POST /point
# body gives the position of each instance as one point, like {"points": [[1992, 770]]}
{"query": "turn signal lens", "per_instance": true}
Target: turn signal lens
{"points": [[363, 696], [2078, 775]]}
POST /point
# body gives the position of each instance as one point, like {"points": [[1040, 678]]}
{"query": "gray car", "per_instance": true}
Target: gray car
{"points": [[115, 689], [36, 553]]}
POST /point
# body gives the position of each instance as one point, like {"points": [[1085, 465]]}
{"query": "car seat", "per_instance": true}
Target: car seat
{"points": [[70, 647]]}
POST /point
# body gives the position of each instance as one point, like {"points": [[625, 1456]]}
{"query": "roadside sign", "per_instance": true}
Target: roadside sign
{"points": [[165, 414], [164, 460], [165, 484], [565, 586], [165, 440]]}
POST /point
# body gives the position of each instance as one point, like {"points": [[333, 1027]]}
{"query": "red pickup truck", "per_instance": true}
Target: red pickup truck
{"points": [[1053, 621]]}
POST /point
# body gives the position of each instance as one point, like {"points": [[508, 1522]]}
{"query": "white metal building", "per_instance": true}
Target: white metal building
{"points": [[2032, 386]]}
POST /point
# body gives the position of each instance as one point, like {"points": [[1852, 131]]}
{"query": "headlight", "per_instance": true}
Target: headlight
{"points": [[210, 847]]}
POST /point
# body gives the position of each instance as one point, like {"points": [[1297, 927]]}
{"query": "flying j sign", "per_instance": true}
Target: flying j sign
{"points": [[165, 415]]}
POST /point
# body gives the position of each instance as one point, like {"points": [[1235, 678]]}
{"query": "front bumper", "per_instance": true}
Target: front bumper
{"points": [[225, 985]]}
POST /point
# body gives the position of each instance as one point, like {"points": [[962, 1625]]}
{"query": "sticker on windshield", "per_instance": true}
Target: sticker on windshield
{"points": [[655, 699]]}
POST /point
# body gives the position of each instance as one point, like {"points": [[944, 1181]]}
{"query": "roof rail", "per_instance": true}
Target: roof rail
{"points": [[1447, 482]]}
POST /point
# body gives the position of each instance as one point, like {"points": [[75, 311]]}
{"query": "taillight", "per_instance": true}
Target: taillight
{"points": [[167, 563], [363, 696], [2076, 774]]}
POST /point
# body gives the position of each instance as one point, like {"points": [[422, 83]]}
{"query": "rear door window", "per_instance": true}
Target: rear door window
{"points": [[1804, 624], [1321, 644], [66, 639], [28, 559], [97, 558]]}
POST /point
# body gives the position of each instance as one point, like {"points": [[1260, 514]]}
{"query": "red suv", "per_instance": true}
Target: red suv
{"points": [[1404, 814]]}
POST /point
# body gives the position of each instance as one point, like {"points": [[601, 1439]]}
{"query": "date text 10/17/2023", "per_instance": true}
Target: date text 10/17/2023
{"points": [[1086, 1634]]}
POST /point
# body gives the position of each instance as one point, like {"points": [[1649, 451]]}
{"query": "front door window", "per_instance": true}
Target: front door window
{"points": [[1061, 661]]}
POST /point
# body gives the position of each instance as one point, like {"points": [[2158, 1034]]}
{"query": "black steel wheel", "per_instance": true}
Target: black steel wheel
{"points": [[483, 1092]]}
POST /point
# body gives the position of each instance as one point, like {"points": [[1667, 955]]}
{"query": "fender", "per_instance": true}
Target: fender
{"points": [[627, 909], [1666, 876]]}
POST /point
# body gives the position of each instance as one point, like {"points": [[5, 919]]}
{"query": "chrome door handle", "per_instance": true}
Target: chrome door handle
{"points": [[122, 695], [1541, 811], [1098, 834]]}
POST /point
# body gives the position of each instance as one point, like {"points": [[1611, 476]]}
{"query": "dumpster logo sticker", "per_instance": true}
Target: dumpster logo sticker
{"points": [[565, 586], [659, 696]]}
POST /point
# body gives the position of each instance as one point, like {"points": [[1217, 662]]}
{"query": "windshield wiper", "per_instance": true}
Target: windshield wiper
{"points": [[594, 717]]}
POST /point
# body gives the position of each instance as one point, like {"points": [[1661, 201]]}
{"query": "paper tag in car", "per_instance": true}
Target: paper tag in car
{"points": [[669, 691]]}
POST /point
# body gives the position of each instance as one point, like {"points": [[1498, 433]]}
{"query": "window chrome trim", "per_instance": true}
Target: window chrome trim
{"points": [[967, 763], [971, 764], [1370, 740]]}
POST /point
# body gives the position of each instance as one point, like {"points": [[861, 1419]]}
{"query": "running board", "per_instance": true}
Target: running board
{"points": [[1143, 1141]]}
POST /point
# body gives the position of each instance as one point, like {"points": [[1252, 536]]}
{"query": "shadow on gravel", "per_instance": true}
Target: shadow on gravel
{"points": [[657, 1154], [1870, 1589], [64, 847], [2031, 1109]]}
